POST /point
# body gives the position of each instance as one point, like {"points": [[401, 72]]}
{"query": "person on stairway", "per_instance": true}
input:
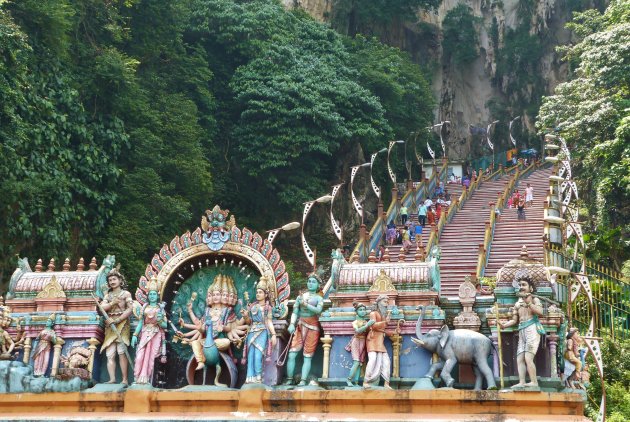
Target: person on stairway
{"points": [[529, 195], [520, 210], [422, 215]]}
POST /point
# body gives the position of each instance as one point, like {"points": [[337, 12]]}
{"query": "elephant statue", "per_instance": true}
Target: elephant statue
{"points": [[456, 346]]}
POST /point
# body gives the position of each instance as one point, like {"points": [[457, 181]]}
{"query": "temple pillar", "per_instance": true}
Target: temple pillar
{"points": [[93, 344], [56, 356], [327, 341], [495, 354], [27, 350], [552, 340], [396, 344]]}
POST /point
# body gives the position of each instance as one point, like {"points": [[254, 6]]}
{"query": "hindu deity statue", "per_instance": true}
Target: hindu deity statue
{"points": [[216, 230], [41, 355], [356, 346], [304, 328], [525, 313], [574, 373], [119, 306], [261, 336], [219, 319], [149, 336]]}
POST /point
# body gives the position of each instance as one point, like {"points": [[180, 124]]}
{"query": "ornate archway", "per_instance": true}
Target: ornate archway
{"points": [[190, 252], [190, 264]]}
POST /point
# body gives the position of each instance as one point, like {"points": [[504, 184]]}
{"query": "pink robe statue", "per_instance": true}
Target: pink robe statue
{"points": [[150, 342], [41, 356]]}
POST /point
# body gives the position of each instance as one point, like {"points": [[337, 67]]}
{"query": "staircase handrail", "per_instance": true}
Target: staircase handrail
{"points": [[446, 217], [484, 249], [364, 246]]}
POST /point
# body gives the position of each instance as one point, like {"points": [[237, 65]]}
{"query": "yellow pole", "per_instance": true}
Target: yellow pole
{"points": [[496, 313]]}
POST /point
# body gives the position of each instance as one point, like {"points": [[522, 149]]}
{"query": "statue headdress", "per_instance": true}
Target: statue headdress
{"points": [[52, 317], [265, 283], [154, 285], [115, 272]]}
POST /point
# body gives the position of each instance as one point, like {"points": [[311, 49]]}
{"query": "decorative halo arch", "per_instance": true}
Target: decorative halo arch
{"points": [[172, 259]]}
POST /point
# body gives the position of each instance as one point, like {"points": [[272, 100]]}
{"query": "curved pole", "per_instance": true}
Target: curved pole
{"points": [[490, 144], [355, 201]]}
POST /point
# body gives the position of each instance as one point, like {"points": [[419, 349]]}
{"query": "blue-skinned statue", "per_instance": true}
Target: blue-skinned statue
{"points": [[304, 328], [216, 230], [261, 336]]}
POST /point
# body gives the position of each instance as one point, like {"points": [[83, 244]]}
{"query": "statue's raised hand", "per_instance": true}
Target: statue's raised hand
{"points": [[134, 341]]}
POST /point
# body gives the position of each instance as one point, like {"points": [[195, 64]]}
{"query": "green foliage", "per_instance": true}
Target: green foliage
{"points": [[591, 111], [461, 42], [396, 81], [617, 380], [58, 170], [121, 121]]}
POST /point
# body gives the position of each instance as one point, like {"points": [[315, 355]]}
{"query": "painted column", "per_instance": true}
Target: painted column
{"points": [[327, 340], [396, 344], [56, 356], [27, 350], [495, 354], [92, 348], [553, 341]]}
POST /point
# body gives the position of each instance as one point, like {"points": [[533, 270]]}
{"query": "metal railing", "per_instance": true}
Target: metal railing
{"points": [[373, 239], [611, 295]]}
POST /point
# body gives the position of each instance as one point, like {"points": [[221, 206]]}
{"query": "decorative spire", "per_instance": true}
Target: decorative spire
{"points": [[66, 264], [524, 253], [81, 265], [401, 255], [372, 257], [419, 253], [51, 265], [93, 264], [386, 255], [39, 266], [355, 257]]}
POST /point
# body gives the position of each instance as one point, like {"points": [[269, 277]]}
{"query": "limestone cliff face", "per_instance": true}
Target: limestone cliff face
{"points": [[463, 92]]}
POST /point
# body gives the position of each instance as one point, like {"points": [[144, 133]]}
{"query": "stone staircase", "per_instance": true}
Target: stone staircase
{"points": [[460, 239], [453, 191], [511, 234]]}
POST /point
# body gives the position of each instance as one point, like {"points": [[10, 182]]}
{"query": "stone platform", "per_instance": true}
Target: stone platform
{"points": [[208, 403]]}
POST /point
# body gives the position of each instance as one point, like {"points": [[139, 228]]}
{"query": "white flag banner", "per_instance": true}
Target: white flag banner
{"points": [[333, 222], [375, 188], [355, 201], [511, 123], [431, 153]]}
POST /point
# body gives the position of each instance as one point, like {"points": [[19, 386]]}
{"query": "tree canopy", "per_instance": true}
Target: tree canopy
{"points": [[592, 112], [122, 121]]}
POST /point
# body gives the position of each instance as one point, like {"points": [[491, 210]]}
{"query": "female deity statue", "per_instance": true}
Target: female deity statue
{"points": [[149, 336], [47, 337], [357, 344], [257, 344]]}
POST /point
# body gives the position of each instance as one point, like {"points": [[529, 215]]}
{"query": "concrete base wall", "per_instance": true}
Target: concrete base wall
{"points": [[298, 404]]}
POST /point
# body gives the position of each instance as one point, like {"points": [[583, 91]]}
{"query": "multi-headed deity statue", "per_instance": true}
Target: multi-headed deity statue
{"points": [[525, 313], [379, 364], [149, 337], [261, 336], [118, 305], [357, 344], [41, 356], [304, 328], [218, 328]]}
